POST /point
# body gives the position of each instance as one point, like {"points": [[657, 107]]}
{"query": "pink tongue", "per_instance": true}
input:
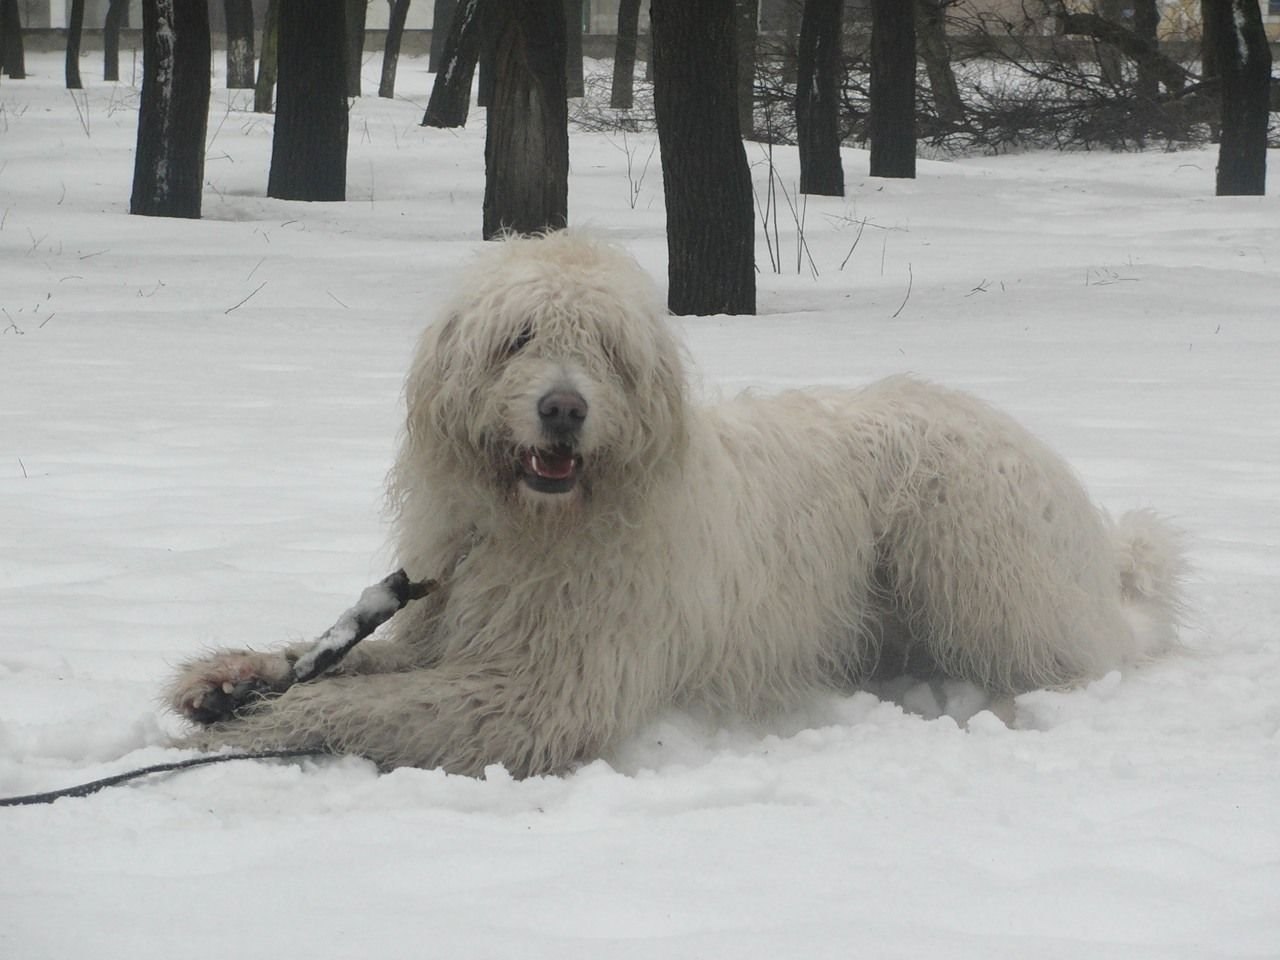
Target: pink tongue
{"points": [[549, 466]]}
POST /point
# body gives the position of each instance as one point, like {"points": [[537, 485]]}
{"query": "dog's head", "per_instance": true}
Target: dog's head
{"points": [[552, 381]]}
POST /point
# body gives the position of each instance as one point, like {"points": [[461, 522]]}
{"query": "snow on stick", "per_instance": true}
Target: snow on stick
{"points": [[375, 607]]}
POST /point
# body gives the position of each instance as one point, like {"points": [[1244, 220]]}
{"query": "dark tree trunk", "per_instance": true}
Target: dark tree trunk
{"points": [[451, 92], [357, 12], [309, 151], [173, 112], [818, 99], [268, 61], [892, 124], [12, 54], [931, 31], [1110, 63], [526, 147], [1244, 65], [484, 89], [75, 27], [707, 183], [1208, 41], [747, 30], [239, 17], [441, 23], [622, 93], [391, 52], [1146, 24], [111, 39], [573, 81]]}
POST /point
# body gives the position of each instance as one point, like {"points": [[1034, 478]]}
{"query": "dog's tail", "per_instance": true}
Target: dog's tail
{"points": [[1151, 560]]}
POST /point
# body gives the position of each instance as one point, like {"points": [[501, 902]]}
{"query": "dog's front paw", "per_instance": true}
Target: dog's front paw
{"points": [[223, 686]]}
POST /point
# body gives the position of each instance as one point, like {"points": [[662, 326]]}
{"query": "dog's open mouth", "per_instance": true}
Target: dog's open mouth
{"points": [[550, 471]]}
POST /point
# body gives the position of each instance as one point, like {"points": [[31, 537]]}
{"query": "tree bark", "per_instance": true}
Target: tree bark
{"points": [[75, 27], [267, 61], [239, 17], [484, 89], [892, 124], [309, 150], [451, 92], [173, 112], [935, 51], [748, 27], [391, 52], [116, 10], [357, 12], [526, 147], [1208, 41], [12, 54], [442, 14], [622, 93], [706, 180], [1146, 27], [1244, 65], [573, 80], [1110, 62], [817, 102]]}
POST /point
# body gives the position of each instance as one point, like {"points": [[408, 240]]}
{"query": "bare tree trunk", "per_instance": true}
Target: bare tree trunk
{"points": [[526, 147], [451, 93], [574, 85], [357, 11], [748, 29], [173, 112], [1109, 60], [892, 124], [622, 93], [1146, 26], [1208, 41], [706, 180], [931, 36], [309, 149], [817, 100], [268, 61], [116, 10], [75, 27], [442, 14], [239, 17], [391, 52], [488, 33], [12, 54], [1244, 64]]}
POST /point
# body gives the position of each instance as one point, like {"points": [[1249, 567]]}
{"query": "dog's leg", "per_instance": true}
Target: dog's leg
{"points": [[460, 719], [219, 687]]}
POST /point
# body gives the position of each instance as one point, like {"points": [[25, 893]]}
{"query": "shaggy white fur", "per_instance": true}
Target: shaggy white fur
{"points": [[609, 549]]}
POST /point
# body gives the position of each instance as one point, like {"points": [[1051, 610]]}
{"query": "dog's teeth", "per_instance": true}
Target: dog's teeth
{"points": [[228, 687]]}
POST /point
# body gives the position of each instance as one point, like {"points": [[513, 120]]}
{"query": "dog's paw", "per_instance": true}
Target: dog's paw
{"points": [[226, 684]]}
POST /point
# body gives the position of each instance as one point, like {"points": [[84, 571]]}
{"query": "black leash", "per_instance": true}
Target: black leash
{"points": [[376, 605], [85, 789]]}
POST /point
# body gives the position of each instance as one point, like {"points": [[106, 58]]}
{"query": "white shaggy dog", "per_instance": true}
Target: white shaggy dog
{"points": [[608, 549]]}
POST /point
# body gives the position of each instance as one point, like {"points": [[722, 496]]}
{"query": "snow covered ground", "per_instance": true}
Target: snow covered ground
{"points": [[195, 422]]}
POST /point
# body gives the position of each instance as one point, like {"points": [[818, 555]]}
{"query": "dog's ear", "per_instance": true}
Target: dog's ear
{"points": [[437, 343], [663, 391]]}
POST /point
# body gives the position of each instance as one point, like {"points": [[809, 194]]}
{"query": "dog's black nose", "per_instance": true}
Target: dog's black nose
{"points": [[562, 412]]}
